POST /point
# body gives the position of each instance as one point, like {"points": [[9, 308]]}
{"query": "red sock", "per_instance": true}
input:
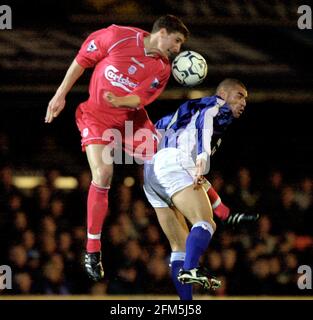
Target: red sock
{"points": [[218, 206], [97, 209], [222, 211]]}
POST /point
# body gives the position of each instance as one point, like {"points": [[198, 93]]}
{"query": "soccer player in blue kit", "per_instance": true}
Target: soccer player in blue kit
{"points": [[175, 184]]}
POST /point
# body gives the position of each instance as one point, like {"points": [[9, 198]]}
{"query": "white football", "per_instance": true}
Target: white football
{"points": [[189, 68]]}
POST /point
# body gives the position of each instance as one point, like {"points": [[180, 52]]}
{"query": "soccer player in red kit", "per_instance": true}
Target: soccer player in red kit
{"points": [[131, 69]]}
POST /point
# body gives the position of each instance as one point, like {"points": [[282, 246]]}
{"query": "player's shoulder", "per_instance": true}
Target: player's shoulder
{"points": [[210, 105], [117, 31], [212, 101], [126, 30]]}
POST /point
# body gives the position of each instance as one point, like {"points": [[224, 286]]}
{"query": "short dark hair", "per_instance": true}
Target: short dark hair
{"points": [[171, 24], [230, 82]]}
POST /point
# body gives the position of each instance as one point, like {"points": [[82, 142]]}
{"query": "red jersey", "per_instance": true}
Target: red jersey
{"points": [[122, 67]]}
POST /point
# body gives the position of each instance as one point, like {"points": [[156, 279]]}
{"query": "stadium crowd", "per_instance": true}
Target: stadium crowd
{"points": [[42, 236]]}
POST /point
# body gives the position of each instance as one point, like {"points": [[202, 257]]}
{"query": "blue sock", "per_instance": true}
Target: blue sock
{"points": [[184, 291], [197, 242]]}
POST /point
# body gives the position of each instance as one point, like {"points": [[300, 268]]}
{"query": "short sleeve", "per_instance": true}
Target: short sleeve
{"points": [[96, 47]]}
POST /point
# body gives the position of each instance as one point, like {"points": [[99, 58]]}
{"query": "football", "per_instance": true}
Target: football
{"points": [[189, 68]]}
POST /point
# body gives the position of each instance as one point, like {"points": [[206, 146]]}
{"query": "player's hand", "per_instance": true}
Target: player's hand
{"points": [[111, 98], [55, 106], [199, 179]]}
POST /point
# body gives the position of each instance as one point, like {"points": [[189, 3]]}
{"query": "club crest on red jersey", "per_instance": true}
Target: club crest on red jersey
{"points": [[132, 69]]}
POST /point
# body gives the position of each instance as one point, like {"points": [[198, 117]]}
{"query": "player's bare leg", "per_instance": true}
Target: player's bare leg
{"points": [[194, 204], [100, 161], [101, 165], [173, 229], [182, 220], [176, 233]]}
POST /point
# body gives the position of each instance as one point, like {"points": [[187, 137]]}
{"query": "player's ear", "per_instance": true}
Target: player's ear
{"points": [[163, 32], [223, 94]]}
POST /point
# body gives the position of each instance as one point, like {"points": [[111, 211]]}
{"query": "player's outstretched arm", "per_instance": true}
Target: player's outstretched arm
{"points": [[57, 103]]}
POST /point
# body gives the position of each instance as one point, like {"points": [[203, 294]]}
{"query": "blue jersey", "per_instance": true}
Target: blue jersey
{"points": [[191, 127]]}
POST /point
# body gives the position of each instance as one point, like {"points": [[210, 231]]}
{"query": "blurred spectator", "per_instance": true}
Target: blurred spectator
{"points": [[20, 224], [29, 243], [289, 215], [139, 215], [265, 236], [99, 289], [48, 246], [54, 281], [270, 199], [231, 270], [303, 199], [51, 177], [40, 203], [152, 236], [261, 276], [15, 202], [57, 208], [246, 195], [158, 278], [215, 263], [303, 196], [130, 274], [22, 283], [77, 199], [48, 226], [18, 258], [6, 182], [127, 226], [124, 198]]}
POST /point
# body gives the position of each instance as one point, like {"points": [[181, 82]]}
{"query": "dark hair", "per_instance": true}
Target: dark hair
{"points": [[229, 82], [171, 24]]}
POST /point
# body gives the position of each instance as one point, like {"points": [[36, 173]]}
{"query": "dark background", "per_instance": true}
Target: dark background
{"points": [[269, 135], [275, 130]]}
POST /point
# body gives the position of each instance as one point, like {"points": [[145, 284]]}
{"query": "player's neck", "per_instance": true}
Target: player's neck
{"points": [[150, 45], [148, 42]]}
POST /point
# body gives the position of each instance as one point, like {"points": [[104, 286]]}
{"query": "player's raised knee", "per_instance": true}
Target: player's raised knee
{"points": [[102, 175]]}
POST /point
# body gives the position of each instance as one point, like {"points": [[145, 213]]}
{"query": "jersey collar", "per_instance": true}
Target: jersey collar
{"points": [[154, 53]]}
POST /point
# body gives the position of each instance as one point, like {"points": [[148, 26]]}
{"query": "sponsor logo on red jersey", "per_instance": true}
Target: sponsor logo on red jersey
{"points": [[118, 79]]}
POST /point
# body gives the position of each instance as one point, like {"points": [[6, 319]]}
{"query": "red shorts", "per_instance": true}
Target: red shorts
{"points": [[131, 130]]}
